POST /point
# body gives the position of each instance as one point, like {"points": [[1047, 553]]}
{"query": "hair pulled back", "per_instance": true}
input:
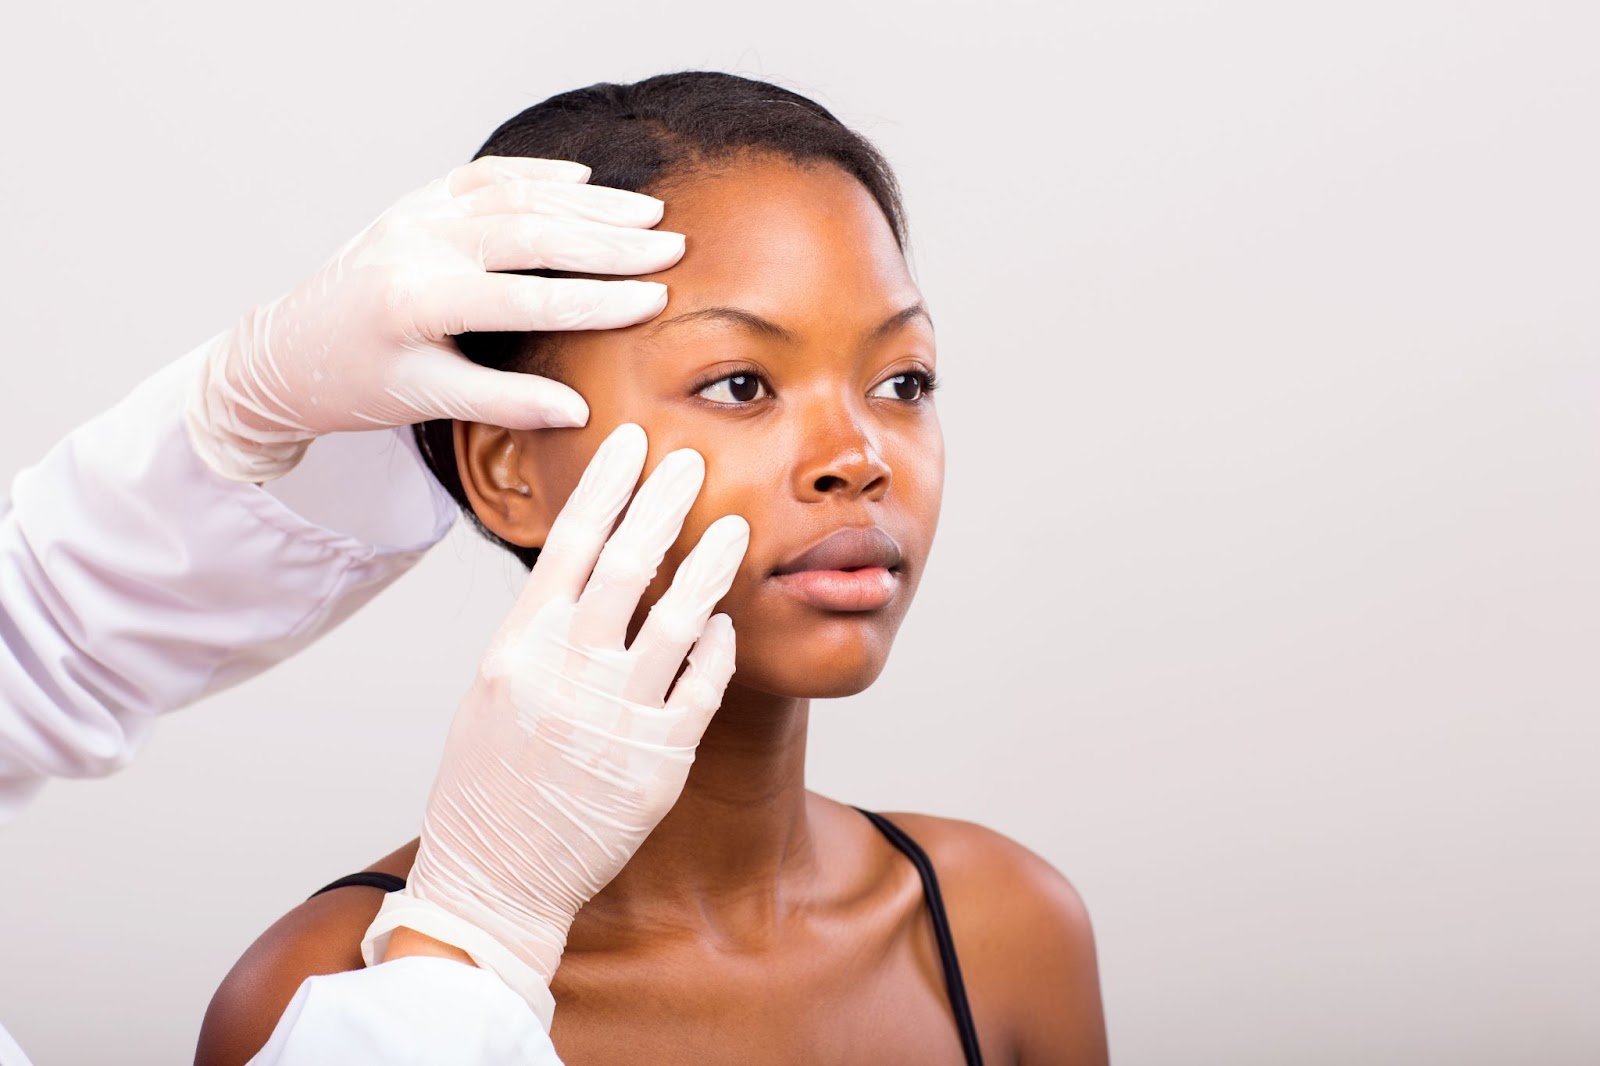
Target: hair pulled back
{"points": [[636, 137]]}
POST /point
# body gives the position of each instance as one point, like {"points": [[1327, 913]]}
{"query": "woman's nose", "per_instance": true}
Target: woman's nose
{"points": [[844, 462]]}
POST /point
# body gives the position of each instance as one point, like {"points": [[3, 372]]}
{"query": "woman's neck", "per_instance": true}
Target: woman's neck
{"points": [[738, 839]]}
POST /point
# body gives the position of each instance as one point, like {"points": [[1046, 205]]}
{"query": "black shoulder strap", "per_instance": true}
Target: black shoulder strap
{"points": [[956, 988], [367, 879]]}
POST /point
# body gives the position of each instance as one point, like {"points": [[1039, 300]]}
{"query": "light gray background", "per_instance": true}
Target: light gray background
{"points": [[1266, 601]]}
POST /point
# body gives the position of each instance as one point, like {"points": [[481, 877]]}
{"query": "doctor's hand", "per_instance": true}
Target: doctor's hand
{"points": [[366, 342], [569, 747]]}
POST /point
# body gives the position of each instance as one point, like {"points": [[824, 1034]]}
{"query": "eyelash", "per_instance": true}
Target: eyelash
{"points": [[926, 379]]}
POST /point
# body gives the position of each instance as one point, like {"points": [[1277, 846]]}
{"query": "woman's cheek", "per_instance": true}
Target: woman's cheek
{"points": [[923, 466]]}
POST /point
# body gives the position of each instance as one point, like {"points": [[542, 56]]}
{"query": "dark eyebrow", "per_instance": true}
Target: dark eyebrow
{"points": [[733, 316], [895, 321], [749, 320]]}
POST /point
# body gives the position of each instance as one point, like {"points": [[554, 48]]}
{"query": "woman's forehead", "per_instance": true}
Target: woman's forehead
{"points": [[776, 237]]}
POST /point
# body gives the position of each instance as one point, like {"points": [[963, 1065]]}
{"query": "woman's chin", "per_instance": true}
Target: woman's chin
{"points": [[800, 673], [795, 652], [834, 687]]}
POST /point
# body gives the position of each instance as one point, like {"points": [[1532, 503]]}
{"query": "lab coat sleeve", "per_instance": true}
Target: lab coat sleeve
{"points": [[11, 1053], [413, 1011], [134, 581]]}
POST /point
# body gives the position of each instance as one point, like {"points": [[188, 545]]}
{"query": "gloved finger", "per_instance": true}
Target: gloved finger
{"points": [[468, 303], [630, 558], [496, 168], [580, 529], [698, 693], [549, 242], [456, 387], [679, 617], [598, 203]]}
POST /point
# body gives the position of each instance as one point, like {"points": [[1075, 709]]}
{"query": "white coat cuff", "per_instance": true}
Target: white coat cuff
{"points": [[411, 1011], [371, 487], [399, 910]]}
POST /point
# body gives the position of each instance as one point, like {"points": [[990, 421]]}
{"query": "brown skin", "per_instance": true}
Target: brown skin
{"points": [[761, 922]]}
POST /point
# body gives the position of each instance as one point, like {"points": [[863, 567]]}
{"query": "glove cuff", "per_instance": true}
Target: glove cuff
{"points": [[219, 438], [400, 909]]}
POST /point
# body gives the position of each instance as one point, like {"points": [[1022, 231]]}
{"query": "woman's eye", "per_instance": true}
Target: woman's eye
{"points": [[735, 388], [900, 387]]}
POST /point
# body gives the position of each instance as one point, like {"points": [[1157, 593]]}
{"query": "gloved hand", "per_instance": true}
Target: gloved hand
{"points": [[567, 751], [365, 343]]}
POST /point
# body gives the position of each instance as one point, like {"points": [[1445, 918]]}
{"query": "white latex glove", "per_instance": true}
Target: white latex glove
{"points": [[365, 343], [567, 751]]}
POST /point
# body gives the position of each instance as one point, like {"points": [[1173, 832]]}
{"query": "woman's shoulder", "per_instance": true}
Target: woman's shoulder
{"points": [[320, 936], [969, 850], [1022, 935]]}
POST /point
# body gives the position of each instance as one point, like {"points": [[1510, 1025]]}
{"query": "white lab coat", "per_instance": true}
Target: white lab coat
{"points": [[415, 1011], [134, 581]]}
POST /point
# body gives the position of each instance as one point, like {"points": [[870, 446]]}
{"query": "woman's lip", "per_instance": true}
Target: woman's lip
{"points": [[848, 549], [867, 589]]}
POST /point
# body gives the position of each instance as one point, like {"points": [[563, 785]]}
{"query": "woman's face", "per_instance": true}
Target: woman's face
{"points": [[792, 355]]}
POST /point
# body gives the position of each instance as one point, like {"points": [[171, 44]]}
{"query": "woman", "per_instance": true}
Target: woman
{"points": [[758, 922]]}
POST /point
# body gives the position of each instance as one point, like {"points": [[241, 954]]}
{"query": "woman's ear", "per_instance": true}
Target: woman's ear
{"points": [[495, 465]]}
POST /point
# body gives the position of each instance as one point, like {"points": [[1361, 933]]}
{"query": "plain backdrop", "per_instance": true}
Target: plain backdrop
{"points": [[1266, 603]]}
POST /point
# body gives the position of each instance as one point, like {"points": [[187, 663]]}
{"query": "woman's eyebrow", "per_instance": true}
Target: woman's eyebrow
{"points": [[900, 318], [738, 316]]}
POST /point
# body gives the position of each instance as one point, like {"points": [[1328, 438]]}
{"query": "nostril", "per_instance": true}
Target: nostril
{"points": [[828, 482]]}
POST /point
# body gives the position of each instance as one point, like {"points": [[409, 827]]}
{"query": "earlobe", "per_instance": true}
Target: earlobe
{"points": [[494, 465]]}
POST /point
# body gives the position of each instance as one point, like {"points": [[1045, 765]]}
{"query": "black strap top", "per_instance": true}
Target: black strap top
{"points": [[953, 984]]}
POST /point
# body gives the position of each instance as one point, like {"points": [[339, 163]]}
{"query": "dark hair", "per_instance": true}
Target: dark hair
{"points": [[636, 137]]}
